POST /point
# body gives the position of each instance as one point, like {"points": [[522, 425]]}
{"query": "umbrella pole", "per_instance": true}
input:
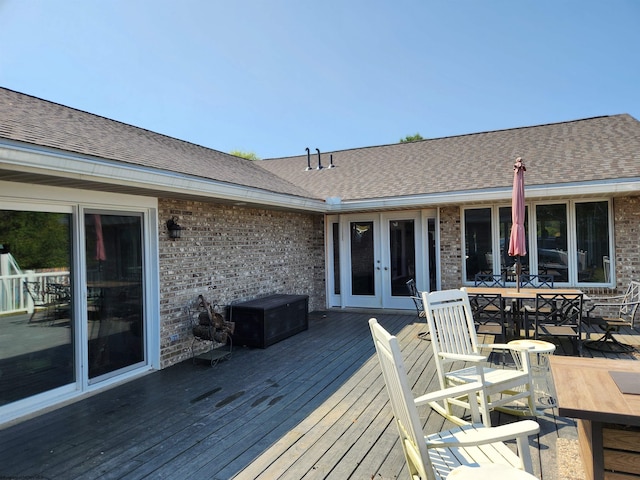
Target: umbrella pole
{"points": [[518, 272]]}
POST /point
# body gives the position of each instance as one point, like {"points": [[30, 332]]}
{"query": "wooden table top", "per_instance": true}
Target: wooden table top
{"points": [[523, 293], [585, 389]]}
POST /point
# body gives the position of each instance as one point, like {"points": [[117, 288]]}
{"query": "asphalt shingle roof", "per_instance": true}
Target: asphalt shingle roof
{"points": [[594, 149], [32, 120]]}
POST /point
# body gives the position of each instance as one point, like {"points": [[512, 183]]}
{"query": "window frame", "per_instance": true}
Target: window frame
{"points": [[572, 249]]}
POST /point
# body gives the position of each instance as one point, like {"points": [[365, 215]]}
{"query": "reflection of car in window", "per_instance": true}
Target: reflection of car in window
{"points": [[548, 255]]}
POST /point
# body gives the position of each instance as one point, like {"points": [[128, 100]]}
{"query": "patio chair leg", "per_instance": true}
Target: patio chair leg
{"points": [[607, 343]]}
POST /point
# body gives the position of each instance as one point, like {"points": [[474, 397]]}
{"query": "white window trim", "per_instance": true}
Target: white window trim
{"points": [[533, 255]]}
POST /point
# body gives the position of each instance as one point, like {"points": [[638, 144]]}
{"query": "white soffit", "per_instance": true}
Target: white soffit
{"points": [[83, 168]]}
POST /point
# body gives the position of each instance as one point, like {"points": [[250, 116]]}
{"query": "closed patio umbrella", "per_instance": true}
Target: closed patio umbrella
{"points": [[518, 240]]}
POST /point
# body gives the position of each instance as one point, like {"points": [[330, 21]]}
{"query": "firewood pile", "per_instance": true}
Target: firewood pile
{"points": [[210, 325]]}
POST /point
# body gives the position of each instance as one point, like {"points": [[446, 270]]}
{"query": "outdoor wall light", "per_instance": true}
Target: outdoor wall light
{"points": [[175, 230]]}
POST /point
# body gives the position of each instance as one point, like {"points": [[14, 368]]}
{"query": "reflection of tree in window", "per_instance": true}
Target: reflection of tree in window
{"points": [[37, 239], [34, 357]]}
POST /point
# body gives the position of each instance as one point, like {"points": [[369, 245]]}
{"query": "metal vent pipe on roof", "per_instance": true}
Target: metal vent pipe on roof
{"points": [[331, 165], [308, 160], [319, 161]]}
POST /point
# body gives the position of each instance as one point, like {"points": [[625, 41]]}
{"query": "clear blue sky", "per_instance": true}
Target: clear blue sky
{"points": [[273, 77]]}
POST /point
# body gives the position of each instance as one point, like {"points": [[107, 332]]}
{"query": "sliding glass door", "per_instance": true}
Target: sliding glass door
{"points": [[71, 315], [115, 328], [37, 332]]}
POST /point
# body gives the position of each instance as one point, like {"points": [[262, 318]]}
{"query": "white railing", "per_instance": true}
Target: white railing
{"points": [[14, 297]]}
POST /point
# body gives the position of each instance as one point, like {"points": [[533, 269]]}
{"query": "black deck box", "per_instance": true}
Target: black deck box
{"points": [[265, 321]]}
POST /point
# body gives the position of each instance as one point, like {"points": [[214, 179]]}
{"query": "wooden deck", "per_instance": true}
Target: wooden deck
{"points": [[312, 406]]}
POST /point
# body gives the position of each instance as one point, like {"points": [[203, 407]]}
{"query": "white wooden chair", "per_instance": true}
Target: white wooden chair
{"points": [[435, 456], [454, 340]]}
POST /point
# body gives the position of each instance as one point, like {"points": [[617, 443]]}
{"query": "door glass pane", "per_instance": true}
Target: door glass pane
{"points": [[477, 241], [36, 331], [336, 257], [551, 230], [402, 254], [433, 273], [362, 259], [114, 292], [592, 227]]}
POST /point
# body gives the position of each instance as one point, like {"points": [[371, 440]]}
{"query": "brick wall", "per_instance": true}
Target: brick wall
{"points": [[230, 254], [626, 214], [450, 248]]}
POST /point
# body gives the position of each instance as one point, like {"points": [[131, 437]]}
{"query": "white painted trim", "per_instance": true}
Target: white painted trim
{"points": [[67, 165], [43, 195], [537, 192], [66, 200]]}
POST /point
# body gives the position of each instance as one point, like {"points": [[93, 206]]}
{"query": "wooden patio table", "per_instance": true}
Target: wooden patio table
{"points": [[608, 418], [522, 294], [518, 295]]}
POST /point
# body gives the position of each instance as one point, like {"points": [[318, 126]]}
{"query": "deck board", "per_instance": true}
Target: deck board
{"points": [[311, 406]]}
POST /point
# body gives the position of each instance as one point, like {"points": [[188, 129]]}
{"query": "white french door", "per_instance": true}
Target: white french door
{"points": [[372, 256]]}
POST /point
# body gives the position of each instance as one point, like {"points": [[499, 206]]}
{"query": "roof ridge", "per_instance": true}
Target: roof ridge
{"points": [[368, 147]]}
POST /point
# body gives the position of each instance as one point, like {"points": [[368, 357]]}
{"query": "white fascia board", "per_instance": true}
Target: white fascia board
{"points": [[537, 192], [30, 159]]}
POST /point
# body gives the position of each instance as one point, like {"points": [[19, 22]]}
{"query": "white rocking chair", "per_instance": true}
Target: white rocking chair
{"points": [[436, 456], [454, 339]]}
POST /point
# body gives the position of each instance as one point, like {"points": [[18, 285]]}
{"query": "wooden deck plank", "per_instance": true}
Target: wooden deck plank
{"points": [[311, 406], [264, 467], [263, 411]]}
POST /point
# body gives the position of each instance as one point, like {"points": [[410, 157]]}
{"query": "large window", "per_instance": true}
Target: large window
{"points": [[551, 234], [506, 262], [592, 238], [569, 240], [478, 245]]}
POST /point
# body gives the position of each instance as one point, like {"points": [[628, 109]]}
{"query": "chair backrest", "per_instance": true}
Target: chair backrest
{"points": [[630, 302], [487, 307], [561, 309], [415, 296], [488, 280], [536, 281], [36, 292], [404, 409], [451, 324]]}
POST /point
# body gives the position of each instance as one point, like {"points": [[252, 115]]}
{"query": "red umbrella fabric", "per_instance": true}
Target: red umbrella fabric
{"points": [[518, 239], [101, 254]]}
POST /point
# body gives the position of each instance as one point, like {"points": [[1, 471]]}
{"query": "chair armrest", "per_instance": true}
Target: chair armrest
{"points": [[448, 393], [502, 346], [480, 435], [470, 357], [604, 299], [611, 304]]}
